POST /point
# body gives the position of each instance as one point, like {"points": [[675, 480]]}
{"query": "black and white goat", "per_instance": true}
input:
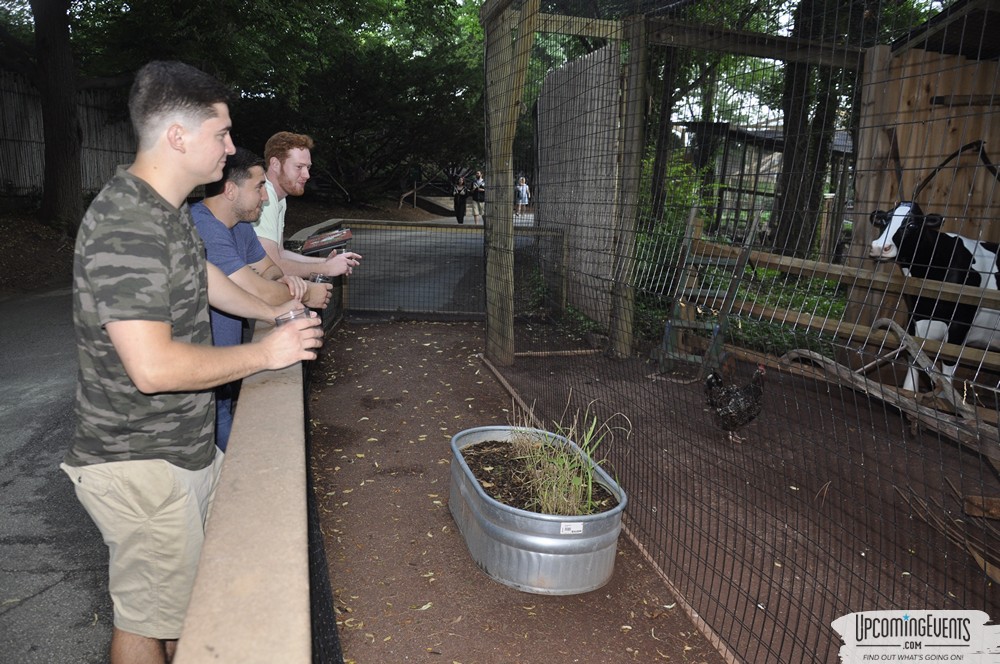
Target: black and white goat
{"points": [[912, 239]]}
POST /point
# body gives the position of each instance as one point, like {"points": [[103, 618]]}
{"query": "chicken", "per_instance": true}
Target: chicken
{"points": [[733, 406]]}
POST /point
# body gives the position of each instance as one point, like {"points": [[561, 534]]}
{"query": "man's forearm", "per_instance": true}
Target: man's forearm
{"points": [[298, 265], [272, 273], [157, 363], [271, 292], [225, 295]]}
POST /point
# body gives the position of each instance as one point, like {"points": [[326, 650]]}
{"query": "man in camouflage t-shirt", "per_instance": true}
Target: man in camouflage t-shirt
{"points": [[143, 460], [138, 258]]}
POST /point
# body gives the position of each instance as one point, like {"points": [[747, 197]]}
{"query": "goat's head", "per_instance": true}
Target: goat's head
{"points": [[902, 228]]}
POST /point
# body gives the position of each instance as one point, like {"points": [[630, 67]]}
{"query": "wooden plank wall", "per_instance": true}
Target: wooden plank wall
{"points": [[902, 93], [578, 176], [108, 139]]}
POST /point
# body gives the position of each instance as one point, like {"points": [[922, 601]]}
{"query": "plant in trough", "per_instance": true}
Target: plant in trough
{"points": [[560, 479]]}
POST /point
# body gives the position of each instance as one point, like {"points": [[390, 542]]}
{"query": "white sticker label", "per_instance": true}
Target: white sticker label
{"points": [[571, 528]]}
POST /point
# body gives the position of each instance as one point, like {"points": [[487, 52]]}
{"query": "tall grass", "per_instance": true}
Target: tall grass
{"points": [[561, 479]]}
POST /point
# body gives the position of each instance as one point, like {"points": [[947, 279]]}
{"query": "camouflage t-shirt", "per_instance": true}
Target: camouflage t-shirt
{"points": [[138, 258]]}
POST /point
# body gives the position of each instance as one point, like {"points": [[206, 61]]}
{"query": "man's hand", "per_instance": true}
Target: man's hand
{"points": [[317, 295], [295, 341], [338, 264], [297, 286]]}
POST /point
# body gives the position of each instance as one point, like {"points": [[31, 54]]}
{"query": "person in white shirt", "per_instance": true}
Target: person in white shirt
{"points": [[478, 195], [288, 161]]}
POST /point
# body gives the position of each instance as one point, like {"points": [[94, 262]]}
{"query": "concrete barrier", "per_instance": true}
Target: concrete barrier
{"points": [[251, 596]]}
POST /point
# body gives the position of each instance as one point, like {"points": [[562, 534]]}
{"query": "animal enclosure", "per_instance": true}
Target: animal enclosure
{"points": [[708, 177]]}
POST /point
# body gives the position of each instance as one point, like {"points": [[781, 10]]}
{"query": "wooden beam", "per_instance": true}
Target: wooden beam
{"points": [[579, 26], [630, 153], [509, 37], [679, 34], [892, 282], [854, 332], [982, 506]]}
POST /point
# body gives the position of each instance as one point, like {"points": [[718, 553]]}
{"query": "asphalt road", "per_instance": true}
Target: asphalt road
{"points": [[422, 270], [54, 607]]}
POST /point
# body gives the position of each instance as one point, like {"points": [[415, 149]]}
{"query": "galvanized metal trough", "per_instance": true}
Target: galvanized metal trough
{"points": [[537, 553]]}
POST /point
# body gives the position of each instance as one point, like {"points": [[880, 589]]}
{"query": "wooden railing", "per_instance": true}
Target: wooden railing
{"points": [[251, 597], [891, 283]]}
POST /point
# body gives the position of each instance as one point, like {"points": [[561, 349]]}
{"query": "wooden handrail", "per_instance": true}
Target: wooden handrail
{"points": [[869, 280], [893, 282]]}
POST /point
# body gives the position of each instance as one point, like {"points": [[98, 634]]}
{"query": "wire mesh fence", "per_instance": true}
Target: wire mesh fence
{"points": [[702, 181]]}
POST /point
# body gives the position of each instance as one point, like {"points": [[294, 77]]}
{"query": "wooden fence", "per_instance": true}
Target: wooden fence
{"points": [[577, 133], [107, 135]]}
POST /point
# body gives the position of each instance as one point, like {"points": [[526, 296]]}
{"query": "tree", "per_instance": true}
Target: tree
{"points": [[814, 99], [379, 83], [62, 201], [407, 90], [54, 76]]}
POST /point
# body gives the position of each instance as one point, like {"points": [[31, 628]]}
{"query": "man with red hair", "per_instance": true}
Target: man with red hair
{"points": [[288, 160]]}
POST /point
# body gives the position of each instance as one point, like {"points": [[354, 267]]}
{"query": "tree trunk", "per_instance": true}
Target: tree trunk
{"points": [[62, 196], [707, 144], [664, 136], [810, 102]]}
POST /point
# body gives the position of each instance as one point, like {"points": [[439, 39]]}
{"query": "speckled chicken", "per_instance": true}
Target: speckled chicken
{"points": [[733, 407]]}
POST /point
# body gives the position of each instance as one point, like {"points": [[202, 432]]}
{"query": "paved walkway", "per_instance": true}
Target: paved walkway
{"points": [[54, 606], [446, 206]]}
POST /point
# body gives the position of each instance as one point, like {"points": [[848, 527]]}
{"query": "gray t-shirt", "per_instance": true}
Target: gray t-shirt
{"points": [[138, 258]]}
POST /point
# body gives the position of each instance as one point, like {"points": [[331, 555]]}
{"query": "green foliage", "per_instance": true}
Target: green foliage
{"points": [[579, 322], [774, 290], [379, 84], [561, 479], [15, 18], [659, 241], [533, 290], [257, 46]]}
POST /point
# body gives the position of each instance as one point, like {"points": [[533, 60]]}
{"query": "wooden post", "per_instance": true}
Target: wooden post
{"points": [[829, 231], [508, 48], [875, 176], [633, 124]]}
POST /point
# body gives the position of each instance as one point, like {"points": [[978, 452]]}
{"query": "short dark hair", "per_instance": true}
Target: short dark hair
{"points": [[237, 170], [164, 88]]}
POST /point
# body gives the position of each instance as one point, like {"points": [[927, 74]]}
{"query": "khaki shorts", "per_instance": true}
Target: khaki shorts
{"points": [[477, 208], [152, 516]]}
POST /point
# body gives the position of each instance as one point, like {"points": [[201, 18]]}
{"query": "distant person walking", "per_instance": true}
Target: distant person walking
{"points": [[461, 193], [523, 196], [478, 193]]}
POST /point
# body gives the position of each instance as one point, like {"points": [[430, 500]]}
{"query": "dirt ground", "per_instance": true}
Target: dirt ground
{"points": [[808, 515], [384, 401]]}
